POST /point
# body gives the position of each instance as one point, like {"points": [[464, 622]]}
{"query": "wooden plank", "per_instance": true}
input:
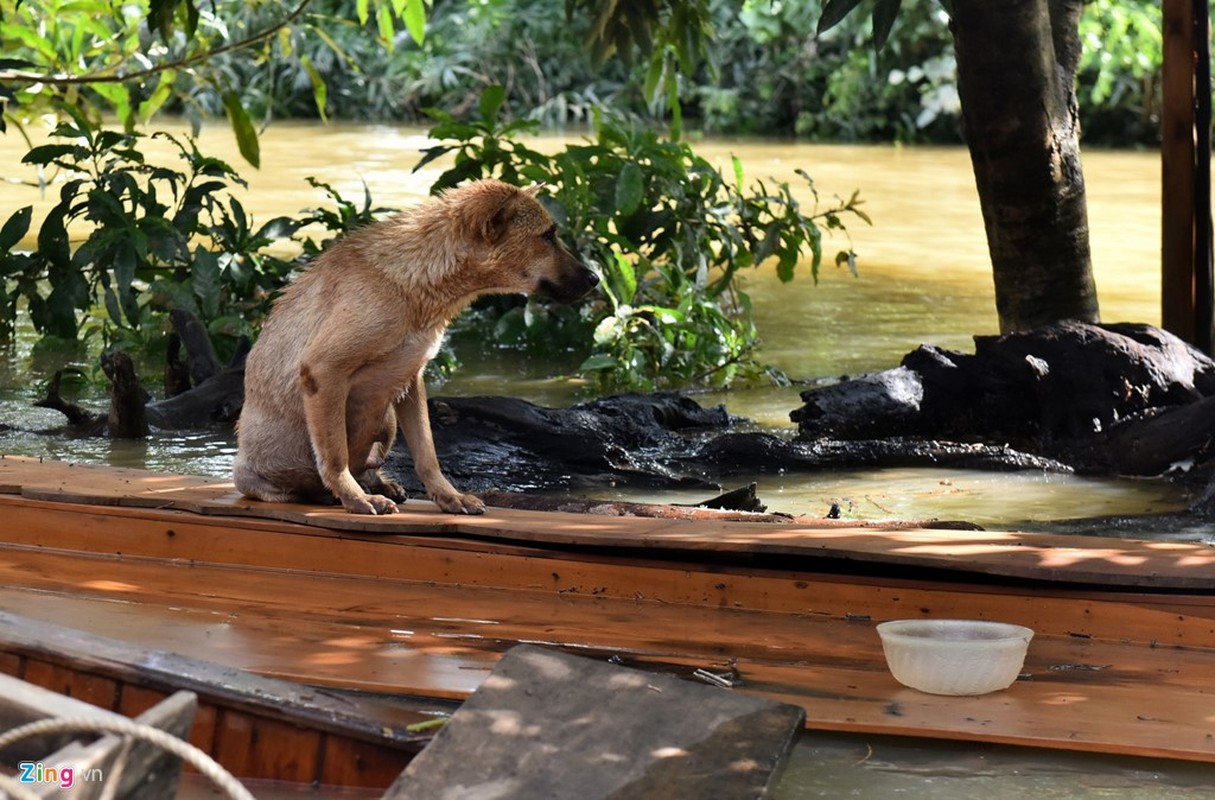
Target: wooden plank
{"points": [[820, 651], [1001, 553], [549, 724], [363, 765], [656, 590], [431, 614], [147, 672], [250, 746], [998, 553], [136, 699]]}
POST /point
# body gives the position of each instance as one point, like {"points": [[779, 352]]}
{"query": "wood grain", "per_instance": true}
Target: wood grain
{"points": [[426, 605]]}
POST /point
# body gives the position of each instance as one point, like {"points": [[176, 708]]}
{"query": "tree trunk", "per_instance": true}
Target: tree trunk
{"points": [[1017, 63]]}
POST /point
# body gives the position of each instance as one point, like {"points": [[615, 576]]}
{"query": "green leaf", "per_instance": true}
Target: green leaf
{"points": [[833, 12], [884, 14], [630, 189], [162, 92], [160, 16], [415, 20], [15, 229], [242, 126], [674, 107], [599, 361], [738, 171], [279, 228], [492, 98], [653, 77], [205, 278], [361, 8], [120, 98], [320, 90], [47, 153], [112, 307], [622, 281], [388, 31], [53, 238]]}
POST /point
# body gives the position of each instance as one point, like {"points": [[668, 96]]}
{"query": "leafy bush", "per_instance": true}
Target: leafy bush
{"points": [[157, 238], [1119, 80], [668, 234], [229, 57]]}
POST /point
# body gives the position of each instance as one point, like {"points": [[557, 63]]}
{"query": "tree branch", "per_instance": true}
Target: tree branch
{"points": [[19, 76]]}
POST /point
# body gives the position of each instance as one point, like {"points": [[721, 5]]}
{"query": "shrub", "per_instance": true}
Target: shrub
{"points": [[668, 234]]}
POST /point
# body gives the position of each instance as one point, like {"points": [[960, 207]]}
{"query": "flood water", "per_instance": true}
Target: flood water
{"points": [[924, 278]]}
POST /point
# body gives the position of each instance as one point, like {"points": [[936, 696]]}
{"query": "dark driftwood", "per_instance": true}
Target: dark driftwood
{"points": [[1113, 398], [77, 416], [199, 391], [128, 418], [647, 441], [736, 505]]}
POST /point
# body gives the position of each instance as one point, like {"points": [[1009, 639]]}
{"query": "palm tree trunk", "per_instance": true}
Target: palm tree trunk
{"points": [[1017, 63]]}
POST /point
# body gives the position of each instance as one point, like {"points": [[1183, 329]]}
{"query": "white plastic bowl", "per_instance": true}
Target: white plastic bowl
{"points": [[954, 656]]}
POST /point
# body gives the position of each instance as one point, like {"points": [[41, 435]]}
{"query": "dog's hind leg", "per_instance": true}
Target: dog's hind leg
{"points": [[372, 479], [325, 399], [415, 424]]}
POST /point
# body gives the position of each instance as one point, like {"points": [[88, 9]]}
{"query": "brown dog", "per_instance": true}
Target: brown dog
{"points": [[338, 365]]}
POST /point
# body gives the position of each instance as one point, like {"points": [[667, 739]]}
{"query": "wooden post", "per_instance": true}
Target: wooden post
{"points": [[1187, 284]]}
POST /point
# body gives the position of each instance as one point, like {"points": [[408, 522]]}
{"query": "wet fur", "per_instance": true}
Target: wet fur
{"points": [[338, 366]]}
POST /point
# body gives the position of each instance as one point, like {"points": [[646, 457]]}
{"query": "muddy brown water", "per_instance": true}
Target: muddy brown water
{"points": [[924, 277]]}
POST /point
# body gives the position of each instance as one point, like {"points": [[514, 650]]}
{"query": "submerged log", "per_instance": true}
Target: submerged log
{"points": [[128, 418], [199, 390], [77, 416], [737, 505], [649, 441]]}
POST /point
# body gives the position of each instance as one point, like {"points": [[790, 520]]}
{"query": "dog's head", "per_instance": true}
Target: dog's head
{"points": [[518, 237]]}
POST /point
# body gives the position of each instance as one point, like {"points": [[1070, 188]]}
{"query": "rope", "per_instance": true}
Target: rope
{"points": [[125, 727]]}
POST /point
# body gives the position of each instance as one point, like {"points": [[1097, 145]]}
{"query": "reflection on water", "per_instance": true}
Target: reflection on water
{"points": [[924, 277], [1024, 498], [845, 765]]}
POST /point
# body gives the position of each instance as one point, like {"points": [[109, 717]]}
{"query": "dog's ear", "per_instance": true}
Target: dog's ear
{"points": [[498, 218], [534, 190], [494, 208]]}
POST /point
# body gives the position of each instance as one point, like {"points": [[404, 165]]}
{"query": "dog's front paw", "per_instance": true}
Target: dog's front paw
{"points": [[456, 503], [369, 504]]}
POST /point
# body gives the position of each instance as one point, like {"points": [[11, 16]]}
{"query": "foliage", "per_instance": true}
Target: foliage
{"points": [[668, 234], [157, 238], [777, 74], [1119, 80], [736, 66], [133, 58]]}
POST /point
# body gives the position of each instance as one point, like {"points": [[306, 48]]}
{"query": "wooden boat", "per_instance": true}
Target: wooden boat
{"points": [[422, 604]]}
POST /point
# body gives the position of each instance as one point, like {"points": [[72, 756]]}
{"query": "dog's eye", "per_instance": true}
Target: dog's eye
{"points": [[550, 236]]}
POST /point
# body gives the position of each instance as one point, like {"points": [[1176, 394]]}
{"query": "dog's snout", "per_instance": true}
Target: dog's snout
{"points": [[576, 282]]}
